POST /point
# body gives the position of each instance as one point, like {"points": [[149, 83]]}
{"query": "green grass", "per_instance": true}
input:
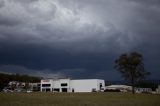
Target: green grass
{"points": [[78, 99]]}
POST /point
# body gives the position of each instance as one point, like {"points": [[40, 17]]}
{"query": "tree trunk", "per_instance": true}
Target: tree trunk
{"points": [[133, 91], [132, 82]]}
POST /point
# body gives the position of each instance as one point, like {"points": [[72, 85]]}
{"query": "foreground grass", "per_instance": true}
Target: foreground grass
{"points": [[78, 99]]}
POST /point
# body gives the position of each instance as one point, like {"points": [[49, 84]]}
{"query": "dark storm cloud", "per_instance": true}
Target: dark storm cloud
{"points": [[85, 35]]}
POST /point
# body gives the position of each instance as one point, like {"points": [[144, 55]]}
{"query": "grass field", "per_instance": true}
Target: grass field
{"points": [[78, 99]]}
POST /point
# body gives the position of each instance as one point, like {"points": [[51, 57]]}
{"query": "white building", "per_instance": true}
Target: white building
{"points": [[143, 90], [158, 89], [123, 88], [16, 84], [67, 85], [35, 86]]}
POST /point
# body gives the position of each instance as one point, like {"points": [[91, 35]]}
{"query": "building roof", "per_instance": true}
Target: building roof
{"points": [[118, 87]]}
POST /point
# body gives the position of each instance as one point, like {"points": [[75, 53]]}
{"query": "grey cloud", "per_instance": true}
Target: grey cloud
{"points": [[24, 1], [2, 3], [45, 73], [74, 22], [77, 28], [147, 2]]}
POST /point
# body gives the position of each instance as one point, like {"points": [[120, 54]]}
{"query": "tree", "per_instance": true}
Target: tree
{"points": [[131, 68]]}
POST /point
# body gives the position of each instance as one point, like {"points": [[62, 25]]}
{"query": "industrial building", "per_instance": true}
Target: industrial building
{"points": [[68, 85]]}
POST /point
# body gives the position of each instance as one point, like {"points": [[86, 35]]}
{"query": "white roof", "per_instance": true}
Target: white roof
{"points": [[118, 86]]}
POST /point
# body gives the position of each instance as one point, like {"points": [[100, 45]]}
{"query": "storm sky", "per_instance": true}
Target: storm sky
{"points": [[77, 38]]}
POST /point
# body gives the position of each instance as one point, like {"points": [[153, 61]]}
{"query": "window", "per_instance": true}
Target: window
{"points": [[94, 90], [46, 85], [43, 90], [63, 84], [56, 89], [64, 89], [48, 90]]}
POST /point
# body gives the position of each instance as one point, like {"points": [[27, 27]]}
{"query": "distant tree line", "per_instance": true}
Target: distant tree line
{"points": [[146, 84], [6, 78]]}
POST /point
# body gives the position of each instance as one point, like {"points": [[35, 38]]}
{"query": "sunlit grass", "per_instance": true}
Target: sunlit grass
{"points": [[78, 99]]}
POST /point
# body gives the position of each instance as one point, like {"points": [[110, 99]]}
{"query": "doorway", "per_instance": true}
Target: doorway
{"points": [[72, 90], [64, 89]]}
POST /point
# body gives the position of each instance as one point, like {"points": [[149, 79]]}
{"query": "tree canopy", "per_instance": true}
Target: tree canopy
{"points": [[131, 67]]}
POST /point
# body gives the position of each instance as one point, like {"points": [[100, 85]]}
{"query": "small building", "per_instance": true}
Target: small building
{"points": [[143, 90], [120, 88], [16, 84], [22, 86], [68, 85], [13, 83], [34, 86], [158, 90]]}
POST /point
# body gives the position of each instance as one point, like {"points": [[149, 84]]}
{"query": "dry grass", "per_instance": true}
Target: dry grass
{"points": [[78, 99]]}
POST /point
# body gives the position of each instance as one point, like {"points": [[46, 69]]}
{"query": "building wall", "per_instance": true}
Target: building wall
{"points": [[67, 85], [60, 84], [46, 88], [86, 85], [158, 89]]}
